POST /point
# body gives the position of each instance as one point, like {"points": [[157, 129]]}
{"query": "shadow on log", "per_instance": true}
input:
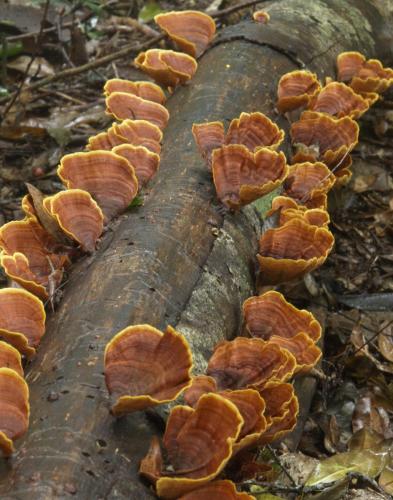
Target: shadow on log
{"points": [[164, 263]]}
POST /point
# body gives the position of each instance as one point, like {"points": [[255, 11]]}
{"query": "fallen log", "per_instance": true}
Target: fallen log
{"points": [[176, 260]]}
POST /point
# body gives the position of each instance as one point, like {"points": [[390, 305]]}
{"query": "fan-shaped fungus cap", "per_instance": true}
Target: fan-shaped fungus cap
{"points": [[270, 314], [292, 250], [217, 490], [17, 268], [295, 89], [139, 133], [127, 106], [167, 67], [261, 16], [289, 210], [243, 362], [147, 90], [10, 358], [306, 353], [201, 384], [22, 319], [306, 181], [191, 30], [329, 138], [104, 140], [281, 412], [28, 207], [254, 130], [208, 136], [339, 100], [145, 367], [145, 162], [14, 409], [199, 443], [78, 215], [348, 65], [108, 177], [240, 177]]}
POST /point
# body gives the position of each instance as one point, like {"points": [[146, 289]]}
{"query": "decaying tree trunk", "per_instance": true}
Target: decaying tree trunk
{"points": [[175, 260]]}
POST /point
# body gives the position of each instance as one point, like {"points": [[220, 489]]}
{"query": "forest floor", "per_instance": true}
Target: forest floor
{"points": [[352, 412]]}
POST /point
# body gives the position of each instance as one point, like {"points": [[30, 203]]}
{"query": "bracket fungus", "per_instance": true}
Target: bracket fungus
{"points": [[145, 162], [295, 90], [289, 209], [78, 215], [306, 353], [167, 67], [365, 76], [108, 177], [146, 90], [308, 181], [240, 177], [337, 99], [217, 490], [14, 409], [145, 367], [198, 444], [261, 16], [125, 106], [17, 268], [243, 362], [10, 358], [292, 250], [191, 30], [22, 319], [252, 130]]}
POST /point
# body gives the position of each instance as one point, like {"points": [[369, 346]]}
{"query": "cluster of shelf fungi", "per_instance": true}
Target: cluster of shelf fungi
{"points": [[245, 398]]}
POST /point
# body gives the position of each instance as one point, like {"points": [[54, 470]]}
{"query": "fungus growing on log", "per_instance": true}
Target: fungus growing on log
{"points": [[10, 357], [145, 367], [306, 353], [167, 67], [105, 140], [198, 443], [139, 133], [295, 89], [108, 177], [201, 384], [145, 162], [308, 181], [261, 16], [365, 76], [217, 490], [252, 130], [289, 209], [125, 106], [242, 362], [22, 319], [191, 30], [337, 99], [17, 268], [292, 250], [14, 409], [78, 215], [240, 177], [325, 138], [146, 90]]}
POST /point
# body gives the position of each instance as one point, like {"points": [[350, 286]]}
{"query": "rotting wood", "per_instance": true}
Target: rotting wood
{"points": [[164, 263]]}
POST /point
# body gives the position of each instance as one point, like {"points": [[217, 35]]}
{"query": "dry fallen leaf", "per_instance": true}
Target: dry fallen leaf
{"points": [[39, 68]]}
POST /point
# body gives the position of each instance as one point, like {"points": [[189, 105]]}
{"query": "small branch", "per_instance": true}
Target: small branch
{"points": [[278, 462]]}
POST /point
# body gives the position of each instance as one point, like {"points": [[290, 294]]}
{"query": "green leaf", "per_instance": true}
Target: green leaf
{"points": [[3, 91], [369, 462], [136, 202], [148, 11], [11, 49], [259, 492]]}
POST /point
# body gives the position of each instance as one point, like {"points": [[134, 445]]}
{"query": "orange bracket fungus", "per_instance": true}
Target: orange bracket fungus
{"points": [[289, 209], [108, 177], [243, 362], [337, 99], [308, 181], [167, 67], [198, 444], [252, 130], [10, 358], [292, 250], [146, 90], [306, 353], [295, 89], [217, 490], [22, 319], [191, 30], [14, 409], [240, 177], [145, 162], [78, 215], [270, 314], [134, 132], [145, 367], [261, 16], [128, 106], [364, 76]]}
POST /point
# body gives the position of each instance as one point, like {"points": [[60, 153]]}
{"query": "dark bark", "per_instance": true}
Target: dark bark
{"points": [[163, 264]]}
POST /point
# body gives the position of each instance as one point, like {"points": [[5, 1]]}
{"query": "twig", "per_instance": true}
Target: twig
{"points": [[278, 462], [368, 341], [33, 57]]}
